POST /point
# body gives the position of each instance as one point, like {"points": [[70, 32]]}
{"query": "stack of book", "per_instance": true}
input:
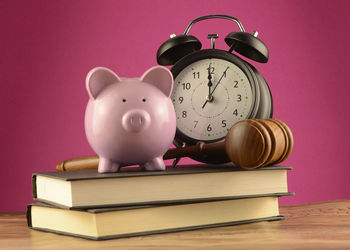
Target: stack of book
{"points": [[97, 206]]}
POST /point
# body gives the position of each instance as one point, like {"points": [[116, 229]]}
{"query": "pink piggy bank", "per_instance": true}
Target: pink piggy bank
{"points": [[130, 120]]}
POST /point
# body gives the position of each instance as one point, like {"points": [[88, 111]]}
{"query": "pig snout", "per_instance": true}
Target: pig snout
{"points": [[136, 120]]}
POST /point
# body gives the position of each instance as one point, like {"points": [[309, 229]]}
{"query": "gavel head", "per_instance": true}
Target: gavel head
{"points": [[256, 143]]}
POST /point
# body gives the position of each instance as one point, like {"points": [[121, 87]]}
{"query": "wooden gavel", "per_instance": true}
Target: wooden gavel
{"points": [[249, 144]]}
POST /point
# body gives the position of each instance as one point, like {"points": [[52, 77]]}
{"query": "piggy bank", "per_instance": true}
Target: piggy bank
{"points": [[130, 121]]}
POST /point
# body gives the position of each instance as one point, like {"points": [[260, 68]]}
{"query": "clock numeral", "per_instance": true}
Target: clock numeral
{"points": [[223, 123], [181, 99], [195, 124], [235, 112], [186, 86], [239, 98], [209, 128], [212, 69], [184, 114], [195, 75], [236, 84]]}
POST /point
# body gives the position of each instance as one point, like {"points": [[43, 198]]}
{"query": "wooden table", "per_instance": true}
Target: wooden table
{"points": [[314, 226]]}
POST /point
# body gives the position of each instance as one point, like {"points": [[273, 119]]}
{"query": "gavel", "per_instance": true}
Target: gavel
{"points": [[249, 144]]}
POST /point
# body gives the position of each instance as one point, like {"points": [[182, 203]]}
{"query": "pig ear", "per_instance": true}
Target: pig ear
{"points": [[99, 78], [160, 77]]}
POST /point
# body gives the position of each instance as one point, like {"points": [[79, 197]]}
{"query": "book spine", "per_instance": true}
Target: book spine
{"points": [[29, 216], [34, 186]]}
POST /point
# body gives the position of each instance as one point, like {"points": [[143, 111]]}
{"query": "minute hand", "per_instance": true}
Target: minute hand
{"points": [[211, 94]]}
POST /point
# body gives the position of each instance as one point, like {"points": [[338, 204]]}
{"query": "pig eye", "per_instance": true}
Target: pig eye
{"points": [[124, 100], [144, 99]]}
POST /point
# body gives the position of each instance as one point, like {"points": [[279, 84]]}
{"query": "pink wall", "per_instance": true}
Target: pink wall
{"points": [[47, 47]]}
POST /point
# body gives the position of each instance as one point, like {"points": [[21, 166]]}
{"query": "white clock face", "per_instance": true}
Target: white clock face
{"points": [[209, 96]]}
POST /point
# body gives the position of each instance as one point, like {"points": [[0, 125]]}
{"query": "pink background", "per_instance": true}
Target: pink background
{"points": [[47, 47]]}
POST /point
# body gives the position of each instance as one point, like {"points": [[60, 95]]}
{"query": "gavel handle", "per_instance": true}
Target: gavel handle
{"points": [[81, 163], [201, 148], [173, 153]]}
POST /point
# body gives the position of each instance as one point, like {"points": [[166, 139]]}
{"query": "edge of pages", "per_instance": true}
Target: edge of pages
{"points": [[162, 202], [273, 218], [135, 172]]}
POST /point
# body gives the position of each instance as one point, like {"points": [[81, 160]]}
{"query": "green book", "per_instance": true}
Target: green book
{"points": [[186, 183], [117, 222]]}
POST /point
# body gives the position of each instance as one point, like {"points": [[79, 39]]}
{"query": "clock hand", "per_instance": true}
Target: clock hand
{"points": [[211, 94], [210, 84], [220, 80]]}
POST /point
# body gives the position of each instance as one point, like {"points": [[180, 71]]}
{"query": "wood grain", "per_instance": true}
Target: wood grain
{"points": [[248, 144], [278, 141], [288, 138], [254, 143], [314, 226]]}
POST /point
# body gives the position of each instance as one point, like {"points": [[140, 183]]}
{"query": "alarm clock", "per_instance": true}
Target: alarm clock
{"points": [[214, 88]]}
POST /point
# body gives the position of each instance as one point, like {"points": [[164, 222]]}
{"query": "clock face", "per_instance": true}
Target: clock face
{"points": [[209, 96]]}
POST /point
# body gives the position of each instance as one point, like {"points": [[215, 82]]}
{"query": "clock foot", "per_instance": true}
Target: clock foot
{"points": [[175, 162]]}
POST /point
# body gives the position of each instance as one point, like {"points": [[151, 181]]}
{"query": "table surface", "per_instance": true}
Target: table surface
{"points": [[313, 226]]}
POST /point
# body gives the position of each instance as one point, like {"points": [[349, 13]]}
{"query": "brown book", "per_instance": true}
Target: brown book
{"points": [[188, 183], [117, 222]]}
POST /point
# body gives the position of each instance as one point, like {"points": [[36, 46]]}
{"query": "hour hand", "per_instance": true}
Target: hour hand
{"points": [[209, 97], [209, 79]]}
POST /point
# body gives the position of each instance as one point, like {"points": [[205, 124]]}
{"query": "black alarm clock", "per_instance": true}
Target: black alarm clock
{"points": [[214, 88]]}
